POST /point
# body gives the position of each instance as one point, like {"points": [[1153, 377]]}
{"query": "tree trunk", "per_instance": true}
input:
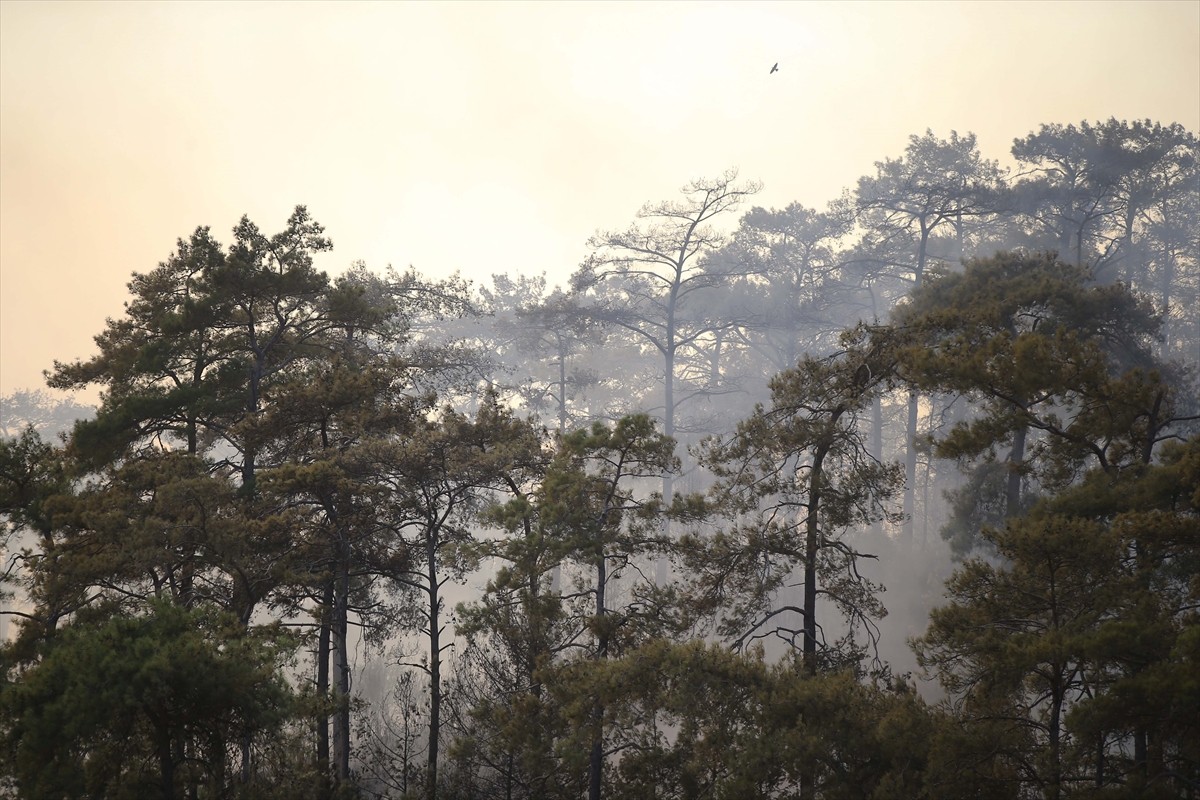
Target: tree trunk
{"points": [[812, 546], [958, 236], [1057, 695], [166, 765], [562, 387], [1168, 281], [435, 668], [1141, 762], [216, 756], [877, 451], [714, 361], [181, 749], [910, 456], [341, 666], [668, 480], [1016, 459], [910, 469], [596, 759], [247, 764], [323, 650], [248, 447]]}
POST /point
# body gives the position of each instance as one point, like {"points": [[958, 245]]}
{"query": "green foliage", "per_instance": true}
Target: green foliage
{"points": [[1080, 644], [272, 445], [702, 721], [1059, 369], [797, 474], [31, 472], [133, 706], [569, 592]]}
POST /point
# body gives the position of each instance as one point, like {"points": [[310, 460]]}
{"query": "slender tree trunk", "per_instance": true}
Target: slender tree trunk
{"points": [[812, 534], [910, 469], [341, 666], [1125, 248], [668, 480], [248, 478], [192, 441], [556, 572], [323, 650], [216, 755], [407, 757], [926, 485], [910, 456], [166, 765], [179, 754], [812, 546], [958, 235], [922, 254], [1155, 757], [1168, 281], [562, 389], [190, 425], [596, 759], [249, 449], [877, 451], [1141, 762], [1057, 693], [435, 667], [714, 362], [1016, 460], [877, 427]]}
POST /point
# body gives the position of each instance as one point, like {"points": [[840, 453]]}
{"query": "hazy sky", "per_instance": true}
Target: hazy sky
{"points": [[494, 137]]}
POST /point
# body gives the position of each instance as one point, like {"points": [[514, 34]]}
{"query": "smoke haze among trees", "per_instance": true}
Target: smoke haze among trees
{"points": [[897, 497]]}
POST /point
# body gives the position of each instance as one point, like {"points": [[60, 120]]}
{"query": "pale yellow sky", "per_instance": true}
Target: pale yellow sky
{"points": [[493, 137]]}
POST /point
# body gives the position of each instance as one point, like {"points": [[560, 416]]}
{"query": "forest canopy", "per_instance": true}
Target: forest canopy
{"points": [[382, 536]]}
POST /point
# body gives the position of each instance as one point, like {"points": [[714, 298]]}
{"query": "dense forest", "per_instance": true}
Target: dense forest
{"points": [[382, 536]]}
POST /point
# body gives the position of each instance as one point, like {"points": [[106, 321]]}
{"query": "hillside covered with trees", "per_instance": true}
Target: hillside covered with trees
{"points": [[382, 536]]}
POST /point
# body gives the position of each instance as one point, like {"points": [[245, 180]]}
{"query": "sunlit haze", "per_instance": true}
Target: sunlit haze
{"points": [[496, 137]]}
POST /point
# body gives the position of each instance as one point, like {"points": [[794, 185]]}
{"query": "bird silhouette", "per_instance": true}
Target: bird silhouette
{"points": [[774, 69]]}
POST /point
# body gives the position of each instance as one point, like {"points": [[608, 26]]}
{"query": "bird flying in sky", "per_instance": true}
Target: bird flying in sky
{"points": [[774, 69]]}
